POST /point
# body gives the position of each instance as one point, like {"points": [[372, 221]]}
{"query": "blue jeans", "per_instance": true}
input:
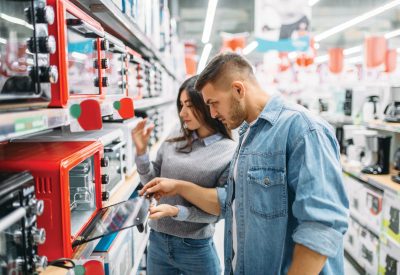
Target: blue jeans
{"points": [[169, 255]]}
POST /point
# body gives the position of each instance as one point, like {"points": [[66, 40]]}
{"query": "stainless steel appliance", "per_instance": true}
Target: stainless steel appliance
{"points": [[25, 49], [19, 235], [383, 163]]}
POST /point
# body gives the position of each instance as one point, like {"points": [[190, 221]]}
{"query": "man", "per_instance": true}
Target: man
{"points": [[285, 206]]}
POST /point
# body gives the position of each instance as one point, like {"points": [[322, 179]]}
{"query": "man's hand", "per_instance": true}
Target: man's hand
{"points": [[163, 210], [161, 187]]}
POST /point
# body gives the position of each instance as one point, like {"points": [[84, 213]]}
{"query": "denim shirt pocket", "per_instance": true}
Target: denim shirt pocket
{"points": [[268, 192]]}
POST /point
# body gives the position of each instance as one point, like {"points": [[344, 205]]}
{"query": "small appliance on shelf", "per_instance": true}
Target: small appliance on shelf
{"points": [[396, 158]]}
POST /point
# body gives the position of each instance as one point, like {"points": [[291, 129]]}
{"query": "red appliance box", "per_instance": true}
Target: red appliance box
{"points": [[67, 178], [77, 53]]}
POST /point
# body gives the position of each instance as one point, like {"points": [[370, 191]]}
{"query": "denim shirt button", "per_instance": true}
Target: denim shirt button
{"points": [[267, 181]]}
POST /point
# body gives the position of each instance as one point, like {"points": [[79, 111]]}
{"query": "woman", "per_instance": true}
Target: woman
{"points": [[181, 234]]}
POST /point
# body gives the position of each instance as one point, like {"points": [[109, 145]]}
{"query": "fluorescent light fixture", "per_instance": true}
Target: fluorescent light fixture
{"points": [[353, 60], [3, 40], [249, 48], [356, 20], [316, 46], [392, 34], [204, 57], [312, 2], [352, 50], [212, 6], [15, 20]]}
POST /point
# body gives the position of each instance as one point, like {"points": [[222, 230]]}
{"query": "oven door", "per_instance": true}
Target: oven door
{"points": [[24, 51], [83, 58], [135, 78], [115, 68], [127, 214]]}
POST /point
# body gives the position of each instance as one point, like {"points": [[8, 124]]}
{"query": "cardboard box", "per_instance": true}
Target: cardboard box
{"points": [[391, 216], [352, 239], [389, 258], [369, 251]]}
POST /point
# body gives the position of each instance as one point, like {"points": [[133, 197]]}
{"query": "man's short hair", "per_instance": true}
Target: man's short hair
{"points": [[225, 64]]}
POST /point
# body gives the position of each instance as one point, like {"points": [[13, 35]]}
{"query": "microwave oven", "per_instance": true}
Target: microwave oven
{"points": [[78, 56], [126, 127], [19, 234], [25, 50], [135, 74], [113, 163], [67, 179]]}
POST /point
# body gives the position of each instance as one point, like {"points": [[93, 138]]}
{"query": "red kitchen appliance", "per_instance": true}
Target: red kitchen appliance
{"points": [[25, 50], [135, 74], [67, 178], [78, 56]]}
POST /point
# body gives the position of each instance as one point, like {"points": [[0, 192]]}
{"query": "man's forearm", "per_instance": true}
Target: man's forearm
{"points": [[204, 198], [306, 261]]}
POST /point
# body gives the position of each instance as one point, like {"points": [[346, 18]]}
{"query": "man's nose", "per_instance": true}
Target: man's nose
{"points": [[213, 112]]}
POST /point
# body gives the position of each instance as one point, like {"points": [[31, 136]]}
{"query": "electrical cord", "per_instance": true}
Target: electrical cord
{"points": [[63, 263]]}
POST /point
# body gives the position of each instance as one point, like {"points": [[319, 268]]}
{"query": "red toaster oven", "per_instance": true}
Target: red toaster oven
{"points": [[67, 178], [135, 74], [78, 55]]}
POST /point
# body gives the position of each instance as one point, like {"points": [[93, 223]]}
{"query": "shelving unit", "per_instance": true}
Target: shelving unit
{"points": [[147, 103], [112, 18], [383, 126]]}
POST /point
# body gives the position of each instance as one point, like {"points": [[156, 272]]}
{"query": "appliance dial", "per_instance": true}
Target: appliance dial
{"points": [[17, 236], [105, 162], [39, 235], [105, 179], [105, 196], [43, 15], [36, 206], [40, 262]]}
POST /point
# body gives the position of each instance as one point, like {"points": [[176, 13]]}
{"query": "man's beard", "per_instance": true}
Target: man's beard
{"points": [[237, 114]]}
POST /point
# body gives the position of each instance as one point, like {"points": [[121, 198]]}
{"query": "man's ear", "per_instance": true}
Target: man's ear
{"points": [[238, 88]]}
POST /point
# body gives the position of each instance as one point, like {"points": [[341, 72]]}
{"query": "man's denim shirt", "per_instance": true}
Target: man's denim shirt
{"points": [[289, 190]]}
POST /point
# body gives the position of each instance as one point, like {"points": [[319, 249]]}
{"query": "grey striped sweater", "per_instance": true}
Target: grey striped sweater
{"points": [[206, 165]]}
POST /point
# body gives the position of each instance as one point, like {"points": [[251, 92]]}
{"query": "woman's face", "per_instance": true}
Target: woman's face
{"points": [[187, 113]]}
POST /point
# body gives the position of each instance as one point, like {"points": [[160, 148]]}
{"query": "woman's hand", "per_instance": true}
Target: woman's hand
{"points": [[161, 187], [141, 136], [163, 210]]}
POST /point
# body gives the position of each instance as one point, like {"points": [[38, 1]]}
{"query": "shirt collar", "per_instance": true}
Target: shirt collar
{"points": [[208, 140]]}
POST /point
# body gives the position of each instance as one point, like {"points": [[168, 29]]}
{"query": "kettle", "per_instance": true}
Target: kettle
{"points": [[370, 108], [392, 112]]}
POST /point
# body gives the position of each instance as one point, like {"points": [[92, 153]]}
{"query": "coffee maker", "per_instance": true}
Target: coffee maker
{"points": [[367, 140], [396, 159], [383, 164], [370, 108], [392, 110]]}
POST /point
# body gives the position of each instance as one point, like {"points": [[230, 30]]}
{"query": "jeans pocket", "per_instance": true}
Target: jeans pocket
{"points": [[196, 242]]}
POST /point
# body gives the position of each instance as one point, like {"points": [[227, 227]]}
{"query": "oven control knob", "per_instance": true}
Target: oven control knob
{"points": [[105, 196], [124, 170], [20, 264], [43, 15], [17, 235], [104, 45], [38, 235], [104, 83], [105, 63], [40, 262], [36, 207], [105, 162], [124, 157], [105, 179], [45, 44], [45, 74], [122, 84]]}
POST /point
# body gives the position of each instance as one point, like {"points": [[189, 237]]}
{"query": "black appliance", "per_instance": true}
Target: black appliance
{"points": [[396, 158], [392, 112], [348, 101], [383, 165], [19, 236], [340, 138], [394, 220], [25, 48], [391, 266]]}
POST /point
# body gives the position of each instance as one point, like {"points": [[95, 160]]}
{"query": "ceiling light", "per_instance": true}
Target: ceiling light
{"points": [[312, 2], [212, 6], [204, 57], [249, 48], [392, 34], [356, 20], [352, 50], [316, 46], [356, 59]]}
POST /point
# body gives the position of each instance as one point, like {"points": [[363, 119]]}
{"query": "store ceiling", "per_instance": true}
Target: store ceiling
{"points": [[234, 16]]}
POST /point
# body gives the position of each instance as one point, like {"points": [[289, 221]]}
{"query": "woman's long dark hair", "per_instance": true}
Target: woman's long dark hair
{"points": [[202, 113]]}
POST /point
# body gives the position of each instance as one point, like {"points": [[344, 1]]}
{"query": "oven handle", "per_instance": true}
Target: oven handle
{"points": [[12, 218], [115, 147], [93, 32]]}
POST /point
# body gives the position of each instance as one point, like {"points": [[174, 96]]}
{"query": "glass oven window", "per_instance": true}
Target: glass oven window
{"points": [[82, 194], [82, 53], [132, 80], [116, 73], [15, 58]]}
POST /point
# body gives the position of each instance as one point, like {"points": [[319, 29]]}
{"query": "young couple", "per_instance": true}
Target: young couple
{"points": [[280, 189]]}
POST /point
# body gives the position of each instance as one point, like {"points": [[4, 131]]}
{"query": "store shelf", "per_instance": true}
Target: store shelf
{"points": [[125, 191], [52, 270], [147, 103], [383, 182], [140, 253], [121, 25], [27, 122], [384, 126]]}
